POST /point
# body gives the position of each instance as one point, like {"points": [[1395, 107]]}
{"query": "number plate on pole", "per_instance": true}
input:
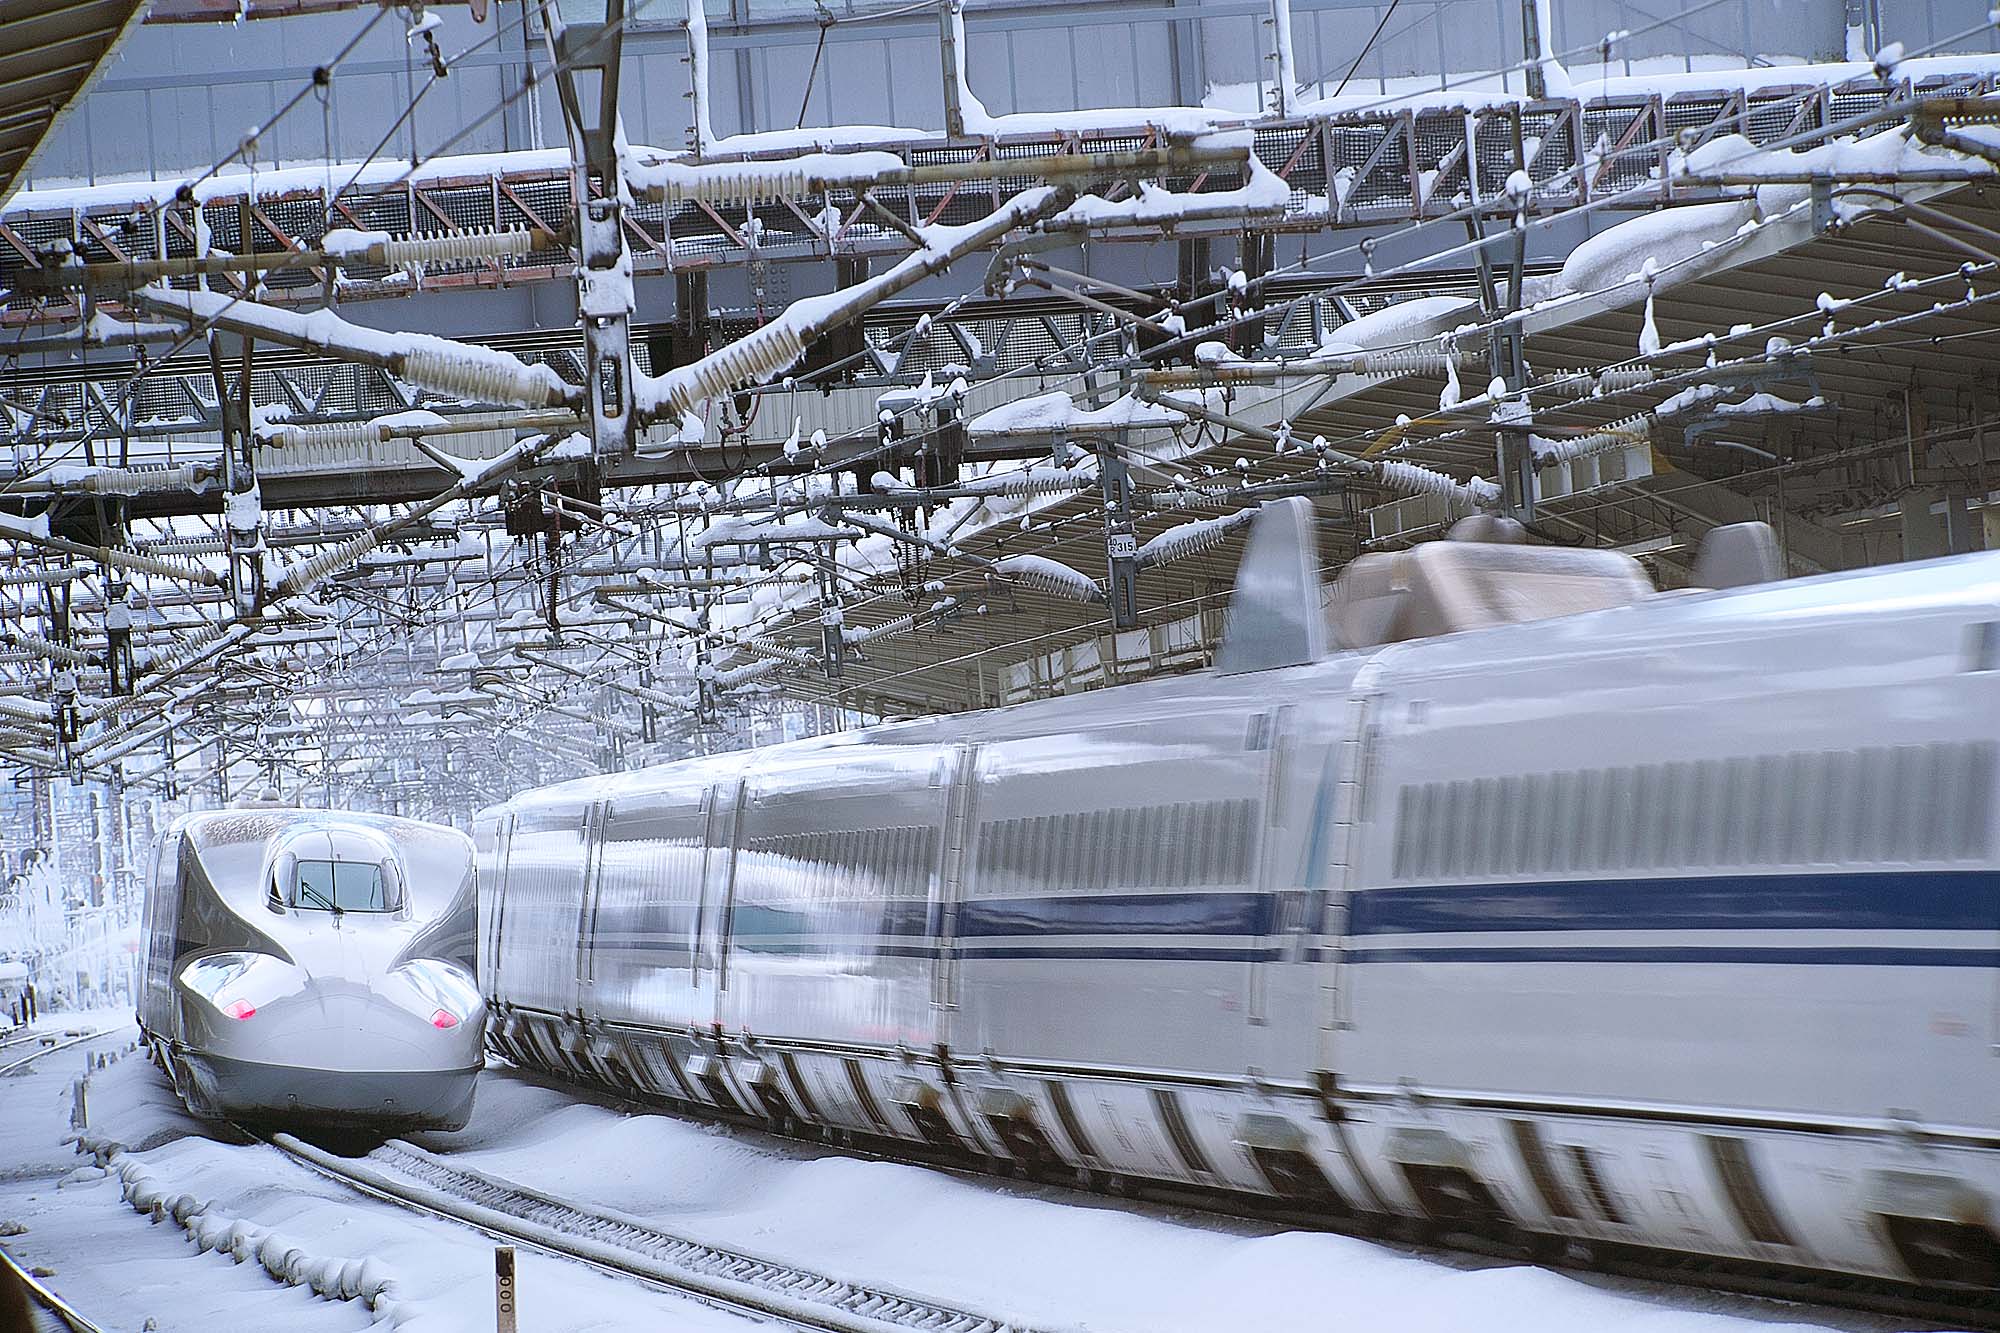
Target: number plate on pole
{"points": [[504, 1290]]}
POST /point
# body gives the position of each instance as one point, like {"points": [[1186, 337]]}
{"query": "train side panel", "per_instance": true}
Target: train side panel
{"points": [[1680, 935]]}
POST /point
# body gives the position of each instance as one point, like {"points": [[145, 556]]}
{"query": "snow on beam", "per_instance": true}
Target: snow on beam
{"points": [[441, 365], [1049, 576], [755, 181], [1050, 412], [784, 340]]}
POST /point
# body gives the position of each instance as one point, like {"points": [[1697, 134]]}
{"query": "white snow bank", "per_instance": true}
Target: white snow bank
{"points": [[366, 1279], [1040, 1257], [1890, 151], [411, 1271], [12, 526]]}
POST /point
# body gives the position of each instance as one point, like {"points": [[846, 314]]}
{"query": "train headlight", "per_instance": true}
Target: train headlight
{"points": [[239, 984], [444, 992]]}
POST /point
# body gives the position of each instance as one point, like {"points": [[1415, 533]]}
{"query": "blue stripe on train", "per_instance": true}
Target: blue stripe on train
{"points": [[1820, 956], [1229, 913], [1875, 900], [1862, 901]]}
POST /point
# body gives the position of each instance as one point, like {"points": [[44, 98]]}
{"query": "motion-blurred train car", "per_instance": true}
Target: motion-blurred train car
{"points": [[315, 967], [1551, 906]]}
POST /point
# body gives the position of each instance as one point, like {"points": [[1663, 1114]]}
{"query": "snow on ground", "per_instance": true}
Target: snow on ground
{"points": [[105, 1259], [123, 1268], [1039, 1255], [1048, 1257]]}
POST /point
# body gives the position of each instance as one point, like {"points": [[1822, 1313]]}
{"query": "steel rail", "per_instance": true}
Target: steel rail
{"points": [[33, 1056], [62, 1311], [634, 1247]]}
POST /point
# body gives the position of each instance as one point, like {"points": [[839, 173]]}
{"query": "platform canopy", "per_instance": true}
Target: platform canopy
{"points": [[53, 48]]}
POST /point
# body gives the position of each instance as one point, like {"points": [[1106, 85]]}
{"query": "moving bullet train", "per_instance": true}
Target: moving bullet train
{"points": [[1549, 905], [315, 967]]}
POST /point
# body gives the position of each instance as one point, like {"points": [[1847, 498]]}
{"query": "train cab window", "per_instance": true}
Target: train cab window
{"points": [[343, 886]]}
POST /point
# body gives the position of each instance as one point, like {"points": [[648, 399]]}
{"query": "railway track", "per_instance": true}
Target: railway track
{"points": [[635, 1247], [24, 1061], [56, 1312]]}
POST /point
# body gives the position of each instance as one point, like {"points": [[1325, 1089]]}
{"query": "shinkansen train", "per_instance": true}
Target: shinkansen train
{"points": [[1545, 904], [314, 967]]}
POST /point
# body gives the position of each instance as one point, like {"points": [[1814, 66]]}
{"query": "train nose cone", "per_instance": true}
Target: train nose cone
{"points": [[332, 1026]]}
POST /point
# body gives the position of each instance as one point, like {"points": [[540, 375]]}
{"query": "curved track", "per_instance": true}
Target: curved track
{"points": [[635, 1247]]}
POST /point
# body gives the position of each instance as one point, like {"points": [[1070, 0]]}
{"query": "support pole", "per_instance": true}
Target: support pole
{"points": [[1121, 543], [1531, 49], [948, 59], [586, 59]]}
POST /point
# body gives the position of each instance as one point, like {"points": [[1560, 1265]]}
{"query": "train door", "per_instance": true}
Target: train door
{"points": [[1333, 854], [942, 926], [718, 883], [490, 847], [1284, 973], [596, 816]]}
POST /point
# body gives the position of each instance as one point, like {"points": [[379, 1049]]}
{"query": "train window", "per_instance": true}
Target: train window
{"points": [[343, 886]]}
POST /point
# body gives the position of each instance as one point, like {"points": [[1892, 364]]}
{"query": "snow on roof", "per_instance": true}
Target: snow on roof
{"points": [[1403, 322], [1661, 240]]}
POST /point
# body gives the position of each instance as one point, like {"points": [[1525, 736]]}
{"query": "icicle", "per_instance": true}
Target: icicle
{"points": [[1452, 390], [1649, 332]]}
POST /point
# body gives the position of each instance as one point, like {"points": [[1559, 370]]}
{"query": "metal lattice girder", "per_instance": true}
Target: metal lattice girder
{"points": [[1354, 168]]}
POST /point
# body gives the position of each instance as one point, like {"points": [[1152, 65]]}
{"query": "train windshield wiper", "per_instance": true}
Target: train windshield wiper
{"points": [[315, 898]]}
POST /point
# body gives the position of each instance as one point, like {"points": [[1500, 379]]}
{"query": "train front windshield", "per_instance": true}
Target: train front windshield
{"points": [[342, 886]]}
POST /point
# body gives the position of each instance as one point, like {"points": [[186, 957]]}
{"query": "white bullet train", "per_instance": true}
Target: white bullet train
{"points": [[314, 967], [1671, 925]]}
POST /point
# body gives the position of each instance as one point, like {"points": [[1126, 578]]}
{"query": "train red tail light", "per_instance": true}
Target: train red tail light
{"points": [[241, 1009], [444, 1018]]}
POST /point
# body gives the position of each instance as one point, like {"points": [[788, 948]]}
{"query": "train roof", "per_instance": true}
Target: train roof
{"points": [[262, 823], [1955, 588], [237, 846], [1949, 586]]}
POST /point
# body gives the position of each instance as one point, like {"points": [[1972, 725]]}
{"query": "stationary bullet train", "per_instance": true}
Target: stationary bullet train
{"points": [[1549, 906], [314, 967]]}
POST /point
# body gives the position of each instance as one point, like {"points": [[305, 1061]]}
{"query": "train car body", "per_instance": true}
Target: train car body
{"points": [[315, 967], [1674, 925]]}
